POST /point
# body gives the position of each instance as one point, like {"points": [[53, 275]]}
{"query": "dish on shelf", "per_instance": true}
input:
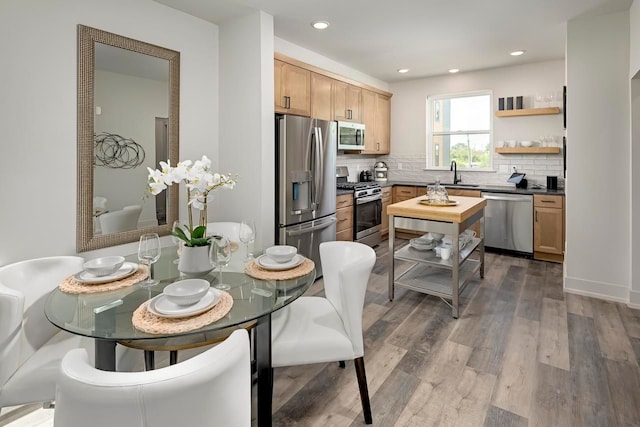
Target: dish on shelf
{"points": [[127, 269], [161, 305], [416, 244], [267, 263]]}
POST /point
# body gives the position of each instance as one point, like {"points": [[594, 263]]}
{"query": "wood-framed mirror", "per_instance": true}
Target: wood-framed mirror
{"points": [[128, 115]]}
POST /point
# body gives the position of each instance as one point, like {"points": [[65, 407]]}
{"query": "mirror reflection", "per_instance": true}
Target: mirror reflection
{"points": [[128, 95], [131, 96]]}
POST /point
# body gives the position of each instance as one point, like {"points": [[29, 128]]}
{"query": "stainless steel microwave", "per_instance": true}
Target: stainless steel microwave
{"points": [[350, 136]]}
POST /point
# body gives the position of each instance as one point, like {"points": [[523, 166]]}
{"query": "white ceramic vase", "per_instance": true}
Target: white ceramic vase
{"points": [[195, 260]]}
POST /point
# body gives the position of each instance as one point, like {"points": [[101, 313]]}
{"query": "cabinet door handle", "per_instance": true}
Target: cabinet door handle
{"points": [[536, 216], [349, 115], [547, 201], [287, 102], [378, 146]]}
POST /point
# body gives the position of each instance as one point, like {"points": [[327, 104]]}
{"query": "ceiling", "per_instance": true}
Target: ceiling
{"points": [[428, 37]]}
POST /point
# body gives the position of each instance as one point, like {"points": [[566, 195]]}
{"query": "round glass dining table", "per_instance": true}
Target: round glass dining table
{"points": [[106, 316]]}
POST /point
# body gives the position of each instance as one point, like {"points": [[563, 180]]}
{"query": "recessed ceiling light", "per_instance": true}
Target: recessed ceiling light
{"points": [[517, 53], [403, 70], [320, 25], [454, 70]]}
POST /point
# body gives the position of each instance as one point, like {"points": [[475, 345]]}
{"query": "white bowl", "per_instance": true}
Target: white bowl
{"points": [[526, 143], [436, 236], [104, 266], [186, 292], [281, 253]]}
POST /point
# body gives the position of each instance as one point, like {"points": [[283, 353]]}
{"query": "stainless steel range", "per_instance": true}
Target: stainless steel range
{"points": [[367, 207]]}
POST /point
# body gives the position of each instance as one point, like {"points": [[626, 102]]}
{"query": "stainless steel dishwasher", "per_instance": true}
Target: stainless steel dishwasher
{"points": [[508, 222]]}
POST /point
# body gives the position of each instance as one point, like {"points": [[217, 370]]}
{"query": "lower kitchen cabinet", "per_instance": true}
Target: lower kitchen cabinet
{"points": [[387, 196], [344, 213], [548, 228]]}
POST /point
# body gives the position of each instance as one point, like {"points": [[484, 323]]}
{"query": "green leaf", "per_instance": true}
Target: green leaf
{"points": [[199, 232], [179, 233], [203, 241]]}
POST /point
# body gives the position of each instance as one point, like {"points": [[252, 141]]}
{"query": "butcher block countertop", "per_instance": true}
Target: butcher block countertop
{"points": [[412, 208]]}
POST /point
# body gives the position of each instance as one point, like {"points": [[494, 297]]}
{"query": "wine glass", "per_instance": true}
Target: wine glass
{"points": [[220, 255], [176, 240], [247, 235], [148, 253], [548, 97]]}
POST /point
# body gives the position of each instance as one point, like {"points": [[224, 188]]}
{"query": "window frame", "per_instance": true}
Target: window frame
{"points": [[430, 134]]}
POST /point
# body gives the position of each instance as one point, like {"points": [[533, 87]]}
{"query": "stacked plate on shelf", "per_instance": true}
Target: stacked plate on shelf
{"points": [[423, 243]]}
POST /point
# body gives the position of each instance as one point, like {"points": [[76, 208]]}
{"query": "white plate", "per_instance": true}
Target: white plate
{"points": [[265, 262], [127, 269], [416, 244], [161, 306]]}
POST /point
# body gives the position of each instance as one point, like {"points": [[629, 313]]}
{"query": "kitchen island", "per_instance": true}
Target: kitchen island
{"points": [[429, 273]]}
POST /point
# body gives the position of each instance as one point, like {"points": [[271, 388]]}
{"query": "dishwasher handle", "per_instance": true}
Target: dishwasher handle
{"points": [[509, 199]]}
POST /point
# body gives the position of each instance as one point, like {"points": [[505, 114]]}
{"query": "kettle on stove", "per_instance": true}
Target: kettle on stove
{"points": [[366, 176]]}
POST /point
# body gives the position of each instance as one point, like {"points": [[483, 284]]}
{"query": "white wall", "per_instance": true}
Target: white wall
{"points": [[38, 108], [599, 157], [408, 121], [634, 75], [247, 123], [310, 57]]}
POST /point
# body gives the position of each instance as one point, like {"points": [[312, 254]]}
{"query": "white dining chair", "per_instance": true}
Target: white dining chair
{"points": [[231, 230], [31, 348], [328, 329], [210, 389], [125, 219]]}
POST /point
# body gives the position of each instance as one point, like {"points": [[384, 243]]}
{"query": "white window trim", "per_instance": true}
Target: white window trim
{"points": [[430, 134]]}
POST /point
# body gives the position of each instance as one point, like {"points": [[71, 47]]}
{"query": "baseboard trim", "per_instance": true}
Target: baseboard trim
{"points": [[605, 291], [634, 299]]}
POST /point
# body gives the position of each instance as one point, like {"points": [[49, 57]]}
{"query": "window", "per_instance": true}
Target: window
{"points": [[459, 128]]}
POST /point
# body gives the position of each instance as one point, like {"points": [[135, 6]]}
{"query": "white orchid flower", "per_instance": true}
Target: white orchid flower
{"points": [[157, 187]]}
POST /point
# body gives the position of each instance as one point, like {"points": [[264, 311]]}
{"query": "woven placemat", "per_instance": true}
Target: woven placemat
{"points": [[253, 269], [148, 322], [71, 286]]}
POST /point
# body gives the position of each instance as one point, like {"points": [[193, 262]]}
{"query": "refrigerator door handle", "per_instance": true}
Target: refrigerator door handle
{"points": [[319, 163], [309, 228]]}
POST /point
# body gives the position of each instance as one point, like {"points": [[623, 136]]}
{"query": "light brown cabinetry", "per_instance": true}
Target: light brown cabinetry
{"points": [[548, 227], [321, 97], [292, 89], [403, 192], [376, 116], [344, 213], [347, 101], [387, 196], [528, 112]]}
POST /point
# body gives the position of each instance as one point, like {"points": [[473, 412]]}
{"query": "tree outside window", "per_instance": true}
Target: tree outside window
{"points": [[459, 128]]}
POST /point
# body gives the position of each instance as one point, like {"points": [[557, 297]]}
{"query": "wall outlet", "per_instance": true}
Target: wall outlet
{"points": [[400, 166]]}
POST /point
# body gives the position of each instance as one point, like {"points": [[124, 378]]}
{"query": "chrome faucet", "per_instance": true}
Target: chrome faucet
{"points": [[454, 168]]}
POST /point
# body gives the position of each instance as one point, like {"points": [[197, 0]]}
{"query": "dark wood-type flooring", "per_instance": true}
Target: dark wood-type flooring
{"points": [[522, 353]]}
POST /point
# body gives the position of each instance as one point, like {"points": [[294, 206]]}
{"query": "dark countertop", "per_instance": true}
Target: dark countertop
{"points": [[510, 189], [489, 188]]}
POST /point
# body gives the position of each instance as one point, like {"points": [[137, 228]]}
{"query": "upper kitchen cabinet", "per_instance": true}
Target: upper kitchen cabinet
{"points": [[376, 116], [292, 89], [321, 97], [347, 101]]}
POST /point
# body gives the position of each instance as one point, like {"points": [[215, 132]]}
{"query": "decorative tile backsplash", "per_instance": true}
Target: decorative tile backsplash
{"points": [[411, 167]]}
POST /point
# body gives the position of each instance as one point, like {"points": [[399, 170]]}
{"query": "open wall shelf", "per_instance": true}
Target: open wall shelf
{"points": [[528, 150], [528, 112]]}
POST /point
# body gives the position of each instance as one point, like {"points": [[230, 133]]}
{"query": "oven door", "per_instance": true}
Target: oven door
{"points": [[368, 216]]}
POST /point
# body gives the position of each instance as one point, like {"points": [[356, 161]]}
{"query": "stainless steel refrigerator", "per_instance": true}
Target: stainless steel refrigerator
{"points": [[305, 184]]}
